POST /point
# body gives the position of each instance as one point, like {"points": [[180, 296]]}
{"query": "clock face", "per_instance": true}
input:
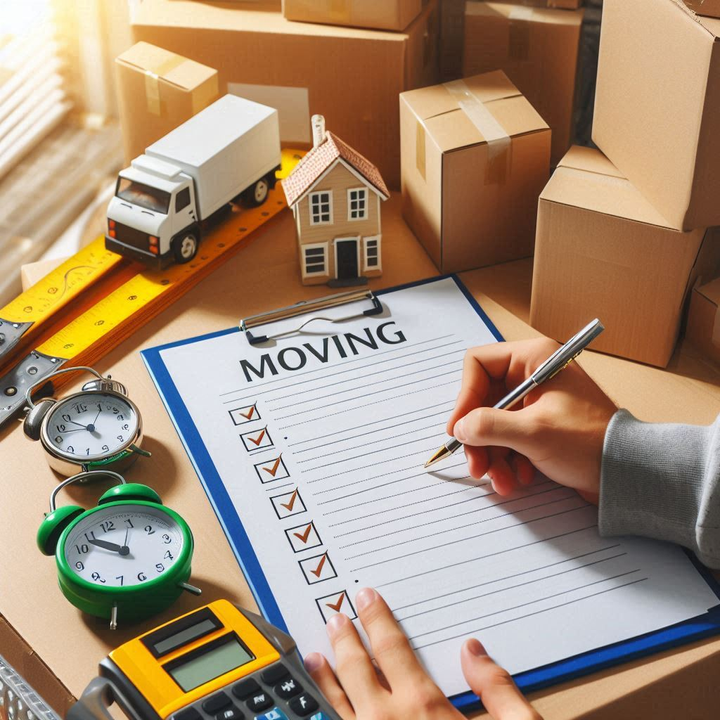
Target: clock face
{"points": [[123, 545], [91, 426]]}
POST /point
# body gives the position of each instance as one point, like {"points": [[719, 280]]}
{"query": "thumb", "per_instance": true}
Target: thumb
{"points": [[487, 426], [493, 685]]}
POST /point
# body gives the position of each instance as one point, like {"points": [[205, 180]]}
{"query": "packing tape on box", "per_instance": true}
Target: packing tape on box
{"points": [[153, 76], [519, 33], [498, 141]]}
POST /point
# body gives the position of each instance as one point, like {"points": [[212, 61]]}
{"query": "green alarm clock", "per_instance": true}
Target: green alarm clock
{"points": [[128, 558]]}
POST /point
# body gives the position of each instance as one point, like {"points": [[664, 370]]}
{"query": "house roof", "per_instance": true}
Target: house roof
{"points": [[320, 158]]}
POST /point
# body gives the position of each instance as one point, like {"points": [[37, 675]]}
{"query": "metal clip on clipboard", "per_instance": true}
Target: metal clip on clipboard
{"points": [[305, 307]]}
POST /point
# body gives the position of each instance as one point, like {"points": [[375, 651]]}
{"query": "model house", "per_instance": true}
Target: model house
{"points": [[335, 195]]}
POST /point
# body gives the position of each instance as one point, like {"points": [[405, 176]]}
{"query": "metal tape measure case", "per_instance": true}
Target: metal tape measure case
{"points": [[215, 663]]}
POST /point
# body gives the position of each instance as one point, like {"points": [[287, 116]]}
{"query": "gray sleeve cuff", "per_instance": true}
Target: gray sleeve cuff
{"points": [[661, 481]]}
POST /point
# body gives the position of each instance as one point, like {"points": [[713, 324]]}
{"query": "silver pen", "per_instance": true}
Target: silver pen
{"points": [[558, 361]]}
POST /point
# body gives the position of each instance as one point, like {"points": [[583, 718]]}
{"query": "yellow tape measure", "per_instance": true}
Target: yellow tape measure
{"points": [[132, 297]]}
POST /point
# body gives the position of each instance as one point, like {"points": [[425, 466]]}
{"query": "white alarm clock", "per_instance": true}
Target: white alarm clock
{"points": [[97, 427]]}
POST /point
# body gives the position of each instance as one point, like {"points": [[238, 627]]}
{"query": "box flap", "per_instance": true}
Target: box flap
{"points": [[171, 67], [694, 9], [451, 127], [711, 291], [520, 12], [583, 179]]}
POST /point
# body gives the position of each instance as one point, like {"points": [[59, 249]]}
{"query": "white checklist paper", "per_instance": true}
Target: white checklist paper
{"points": [[320, 439]]}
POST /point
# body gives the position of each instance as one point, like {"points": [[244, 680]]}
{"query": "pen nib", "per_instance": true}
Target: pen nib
{"points": [[439, 455]]}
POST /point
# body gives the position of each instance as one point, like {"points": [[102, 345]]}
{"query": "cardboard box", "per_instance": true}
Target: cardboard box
{"points": [[709, 8], [475, 156], [537, 49], [379, 14], [703, 321], [553, 4], [657, 106], [351, 76], [603, 251], [157, 91]]}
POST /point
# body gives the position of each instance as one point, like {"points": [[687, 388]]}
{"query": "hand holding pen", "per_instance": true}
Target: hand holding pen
{"points": [[558, 427]]}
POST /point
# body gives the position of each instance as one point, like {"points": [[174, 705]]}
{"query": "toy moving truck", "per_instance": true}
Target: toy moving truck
{"points": [[226, 153]]}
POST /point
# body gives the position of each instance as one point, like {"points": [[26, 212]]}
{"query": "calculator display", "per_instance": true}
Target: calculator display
{"points": [[209, 662]]}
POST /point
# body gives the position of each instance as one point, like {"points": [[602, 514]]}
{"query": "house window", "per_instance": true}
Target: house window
{"points": [[357, 204], [321, 207], [372, 253], [314, 259]]}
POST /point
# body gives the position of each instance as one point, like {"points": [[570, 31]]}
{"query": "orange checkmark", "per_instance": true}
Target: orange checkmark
{"points": [[316, 572], [258, 440], [248, 415], [336, 606], [304, 536], [272, 470], [289, 506]]}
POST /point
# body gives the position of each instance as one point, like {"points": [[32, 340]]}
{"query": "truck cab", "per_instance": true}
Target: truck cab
{"points": [[153, 217]]}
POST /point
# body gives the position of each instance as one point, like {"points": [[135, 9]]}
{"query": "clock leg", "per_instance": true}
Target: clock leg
{"points": [[190, 588], [113, 617]]}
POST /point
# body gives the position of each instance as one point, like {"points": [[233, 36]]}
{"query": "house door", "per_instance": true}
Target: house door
{"points": [[346, 259]]}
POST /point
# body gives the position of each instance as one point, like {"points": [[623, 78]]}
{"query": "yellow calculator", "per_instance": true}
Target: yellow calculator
{"points": [[216, 663]]}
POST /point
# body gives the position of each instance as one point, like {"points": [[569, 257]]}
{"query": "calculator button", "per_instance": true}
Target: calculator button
{"points": [[245, 689], [274, 674], [274, 714], [288, 688], [304, 704], [215, 703], [320, 716], [259, 701], [190, 713], [230, 713]]}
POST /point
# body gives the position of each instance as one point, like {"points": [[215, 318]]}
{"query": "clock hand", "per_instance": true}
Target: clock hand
{"points": [[125, 543], [110, 546], [84, 427]]}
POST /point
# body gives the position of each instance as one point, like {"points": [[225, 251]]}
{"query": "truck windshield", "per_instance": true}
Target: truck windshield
{"points": [[142, 195]]}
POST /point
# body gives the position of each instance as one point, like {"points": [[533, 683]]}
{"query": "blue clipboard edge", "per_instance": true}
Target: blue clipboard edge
{"points": [[580, 665]]}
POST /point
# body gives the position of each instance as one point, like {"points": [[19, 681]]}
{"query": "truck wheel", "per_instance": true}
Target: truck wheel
{"points": [[185, 246], [257, 194]]}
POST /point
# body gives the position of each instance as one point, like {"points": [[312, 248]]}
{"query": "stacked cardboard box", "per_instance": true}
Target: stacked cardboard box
{"points": [[703, 322], [625, 236], [157, 91], [475, 156], [351, 76], [537, 49], [709, 8], [379, 14], [557, 4]]}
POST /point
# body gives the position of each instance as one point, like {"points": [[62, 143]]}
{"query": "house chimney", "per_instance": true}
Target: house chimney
{"points": [[318, 129]]}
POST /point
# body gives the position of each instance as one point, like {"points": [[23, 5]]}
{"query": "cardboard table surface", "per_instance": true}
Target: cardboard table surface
{"points": [[58, 649]]}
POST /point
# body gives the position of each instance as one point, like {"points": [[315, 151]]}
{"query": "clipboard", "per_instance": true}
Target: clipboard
{"points": [[692, 630]]}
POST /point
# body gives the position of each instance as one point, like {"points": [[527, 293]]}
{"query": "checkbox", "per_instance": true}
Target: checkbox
{"points": [[317, 569], [273, 469], [245, 414], [288, 504], [303, 537], [256, 439], [335, 603]]}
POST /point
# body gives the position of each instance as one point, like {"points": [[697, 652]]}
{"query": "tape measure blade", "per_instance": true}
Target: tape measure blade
{"points": [[13, 385]]}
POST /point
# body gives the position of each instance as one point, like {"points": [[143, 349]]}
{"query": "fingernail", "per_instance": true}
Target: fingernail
{"points": [[459, 430], [335, 623], [475, 647], [313, 662], [365, 597]]}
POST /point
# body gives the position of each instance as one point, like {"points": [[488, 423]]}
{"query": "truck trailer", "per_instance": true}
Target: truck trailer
{"points": [[228, 152]]}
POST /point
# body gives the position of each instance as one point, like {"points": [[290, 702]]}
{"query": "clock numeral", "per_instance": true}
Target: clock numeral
{"points": [[129, 522], [121, 438], [166, 539], [149, 530], [168, 556], [60, 428], [107, 526], [87, 451], [120, 417], [90, 536], [115, 410], [79, 565], [82, 549], [66, 418], [125, 427], [120, 578], [80, 408], [70, 449], [141, 576], [97, 578], [105, 448], [99, 407], [159, 567]]}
